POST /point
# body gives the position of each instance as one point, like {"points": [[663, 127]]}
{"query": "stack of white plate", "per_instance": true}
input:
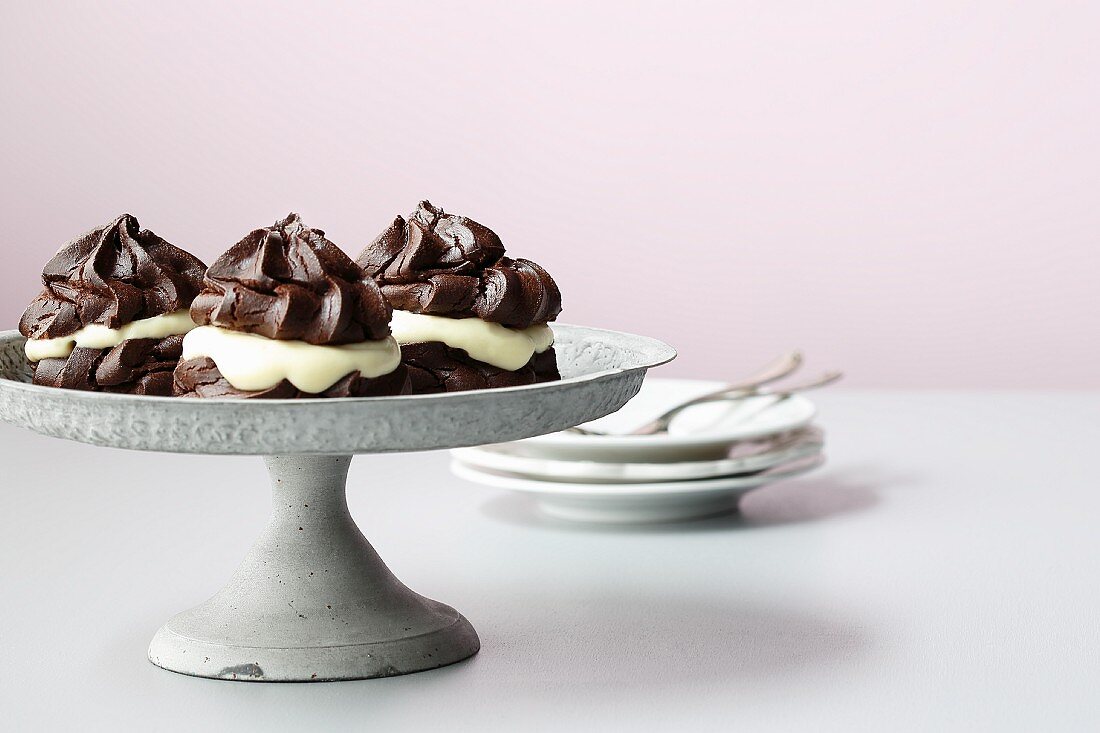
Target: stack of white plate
{"points": [[711, 455]]}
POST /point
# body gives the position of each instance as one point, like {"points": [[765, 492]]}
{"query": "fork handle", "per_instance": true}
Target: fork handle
{"points": [[782, 367], [662, 422]]}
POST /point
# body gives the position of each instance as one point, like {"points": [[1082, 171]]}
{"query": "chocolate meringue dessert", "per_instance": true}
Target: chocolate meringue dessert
{"points": [[284, 313], [466, 316], [112, 312]]}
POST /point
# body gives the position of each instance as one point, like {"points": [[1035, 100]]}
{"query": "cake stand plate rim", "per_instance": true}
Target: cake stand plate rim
{"points": [[662, 353], [612, 365]]}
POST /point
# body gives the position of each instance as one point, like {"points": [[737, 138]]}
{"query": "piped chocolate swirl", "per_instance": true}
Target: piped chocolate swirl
{"points": [[436, 263], [109, 277], [466, 315], [289, 282], [285, 314], [112, 311]]}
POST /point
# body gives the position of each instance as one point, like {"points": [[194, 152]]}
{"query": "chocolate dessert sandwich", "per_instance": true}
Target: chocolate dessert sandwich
{"points": [[466, 316], [112, 312], [285, 313]]}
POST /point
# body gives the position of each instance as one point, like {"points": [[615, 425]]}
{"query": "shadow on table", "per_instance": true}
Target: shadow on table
{"points": [[800, 501], [636, 639], [544, 650]]}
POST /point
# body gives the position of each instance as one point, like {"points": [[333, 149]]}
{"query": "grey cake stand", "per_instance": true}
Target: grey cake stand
{"points": [[312, 600]]}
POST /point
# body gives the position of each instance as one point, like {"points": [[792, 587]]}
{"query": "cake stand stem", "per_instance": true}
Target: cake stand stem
{"points": [[312, 600]]}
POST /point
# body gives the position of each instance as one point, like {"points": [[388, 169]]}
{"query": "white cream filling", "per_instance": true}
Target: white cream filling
{"points": [[251, 362], [96, 336], [492, 343]]}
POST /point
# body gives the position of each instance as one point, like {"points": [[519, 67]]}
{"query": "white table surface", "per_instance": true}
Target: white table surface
{"points": [[941, 573]]}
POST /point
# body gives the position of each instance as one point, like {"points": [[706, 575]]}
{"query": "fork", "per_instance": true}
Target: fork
{"points": [[776, 370]]}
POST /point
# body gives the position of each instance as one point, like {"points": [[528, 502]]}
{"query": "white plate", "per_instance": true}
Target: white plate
{"points": [[702, 433], [744, 457], [636, 503]]}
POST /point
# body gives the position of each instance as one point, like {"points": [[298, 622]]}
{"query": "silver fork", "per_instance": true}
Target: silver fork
{"points": [[776, 370], [661, 424]]}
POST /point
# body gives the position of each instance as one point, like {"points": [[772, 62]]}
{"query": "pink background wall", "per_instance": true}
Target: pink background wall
{"points": [[904, 190]]}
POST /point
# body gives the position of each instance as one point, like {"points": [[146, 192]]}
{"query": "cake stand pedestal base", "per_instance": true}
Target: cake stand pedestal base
{"points": [[312, 600]]}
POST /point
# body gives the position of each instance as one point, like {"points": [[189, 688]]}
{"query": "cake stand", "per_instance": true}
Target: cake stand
{"points": [[312, 600]]}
